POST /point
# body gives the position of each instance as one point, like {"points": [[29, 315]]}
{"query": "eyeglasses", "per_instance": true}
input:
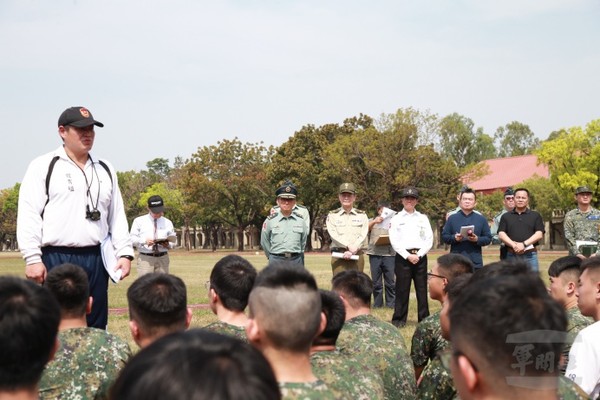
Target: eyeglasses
{"points": [[432, 275], [510, 198]]}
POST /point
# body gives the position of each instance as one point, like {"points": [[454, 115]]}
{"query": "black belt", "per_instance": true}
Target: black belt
{"points": [[164, 253], [413, 251], [286, 255]]}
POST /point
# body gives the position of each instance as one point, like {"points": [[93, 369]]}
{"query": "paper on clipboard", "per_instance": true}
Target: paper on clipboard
{"points": [[109, 259], [337, 254], [386, 214]]}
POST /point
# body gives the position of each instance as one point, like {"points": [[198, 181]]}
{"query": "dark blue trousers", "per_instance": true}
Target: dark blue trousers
{"points": [[90, 259]]}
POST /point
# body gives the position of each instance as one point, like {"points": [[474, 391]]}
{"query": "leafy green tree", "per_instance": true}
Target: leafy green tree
{"points": [[573, 158], [9, 198], [159, 167], [172, 198], [301, 159], [229, 182], [515, 139], [461, 142]]}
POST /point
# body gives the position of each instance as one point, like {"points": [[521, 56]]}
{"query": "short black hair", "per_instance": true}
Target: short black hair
{"points": [[503, 268], [285, 301], [522, 189], [456, 286], [494, 315], [199, 365], [563, 264], [593, 264], [467, 190], [453, 265], [335, 312], [158, 302], [29, 319], [232, 279], [356, 287], [68, 283]]}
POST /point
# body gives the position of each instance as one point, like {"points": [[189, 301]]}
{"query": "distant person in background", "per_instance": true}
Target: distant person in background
{"points": [[509, 204], [88, 359], [521, 230], [152, 234], [197, 365], [157, 307], [284, 232], [348, 228], [411, 237], [381, 258], [582, 224], [29, 318], [469, 244], [231, 281]]}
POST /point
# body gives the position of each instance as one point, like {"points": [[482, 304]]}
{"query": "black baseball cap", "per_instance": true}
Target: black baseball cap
{"points": [[78, 117], [156, 204]]}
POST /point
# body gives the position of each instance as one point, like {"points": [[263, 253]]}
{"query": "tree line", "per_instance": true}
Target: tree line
{"points": [[231, 184]]}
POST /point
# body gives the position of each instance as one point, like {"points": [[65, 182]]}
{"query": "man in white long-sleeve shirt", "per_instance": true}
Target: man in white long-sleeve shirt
{"points": [[152, 234], [412, 238], [69, 203], [584, 357]]}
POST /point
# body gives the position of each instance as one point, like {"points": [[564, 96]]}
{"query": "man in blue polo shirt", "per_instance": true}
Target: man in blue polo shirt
{"points": [[468, 243]]}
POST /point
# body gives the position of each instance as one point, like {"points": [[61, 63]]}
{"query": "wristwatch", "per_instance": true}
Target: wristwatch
{"points": [[130, 258]]}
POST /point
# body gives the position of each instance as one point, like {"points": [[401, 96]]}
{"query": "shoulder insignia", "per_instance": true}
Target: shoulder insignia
{"points": [[359, 211], [273, 215], [337, 210], [301, 206], [297, 214]]}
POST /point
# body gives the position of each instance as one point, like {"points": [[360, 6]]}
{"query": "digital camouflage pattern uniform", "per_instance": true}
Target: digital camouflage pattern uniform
{"points": [[305, 391], [224, 328], [575, 323], [569, 390], [581, 226], [373, 342], [427, 341], [346, 377], [85, 365]]}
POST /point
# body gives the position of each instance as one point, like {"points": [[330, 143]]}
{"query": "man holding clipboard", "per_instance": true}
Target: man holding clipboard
{"points": [[467, 231], [153, 234]]}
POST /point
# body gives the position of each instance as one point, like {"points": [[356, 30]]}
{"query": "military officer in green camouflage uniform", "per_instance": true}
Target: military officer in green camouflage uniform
{"points": [[284, 233], [373, 342], [348, 228], [582, 223]]}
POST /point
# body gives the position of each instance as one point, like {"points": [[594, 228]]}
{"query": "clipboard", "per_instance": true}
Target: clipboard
{"points": [[383, 240]]}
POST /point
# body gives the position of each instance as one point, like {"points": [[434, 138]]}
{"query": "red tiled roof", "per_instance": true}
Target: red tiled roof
{"points": [[508, 171]]}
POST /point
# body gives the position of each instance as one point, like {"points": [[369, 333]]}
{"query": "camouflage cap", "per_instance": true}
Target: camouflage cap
{"points": [[583, 189], [347, 188], [410, 192]]}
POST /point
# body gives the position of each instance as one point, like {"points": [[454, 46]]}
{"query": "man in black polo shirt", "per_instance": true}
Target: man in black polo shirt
{"points": [[521, 229]]}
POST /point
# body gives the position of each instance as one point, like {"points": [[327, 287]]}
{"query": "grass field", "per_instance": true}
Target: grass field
{"points": [[194, 268]]}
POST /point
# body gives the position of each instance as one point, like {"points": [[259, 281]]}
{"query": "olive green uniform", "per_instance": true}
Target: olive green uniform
{"points": [[224, 328], [575, 323]]}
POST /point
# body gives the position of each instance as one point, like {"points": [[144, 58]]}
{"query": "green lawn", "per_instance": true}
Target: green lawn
{"points": [[194, 268]]}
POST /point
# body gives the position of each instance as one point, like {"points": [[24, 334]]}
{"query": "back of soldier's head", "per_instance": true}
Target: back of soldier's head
{"points": [[68, 283], [29, 319], [453, 265], [335, 312], [592, 266], [286, 303], [232, 279], [198, 365], [158, 303], [355, 286], [494, 321], [503, 268], [567, 268]]}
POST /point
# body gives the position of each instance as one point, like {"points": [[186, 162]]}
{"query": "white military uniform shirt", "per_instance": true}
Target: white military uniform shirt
{"points": [[142, 228], [411, 231]]}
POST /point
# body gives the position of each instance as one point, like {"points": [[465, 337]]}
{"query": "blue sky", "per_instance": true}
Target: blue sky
{"points": [[167, 77]]}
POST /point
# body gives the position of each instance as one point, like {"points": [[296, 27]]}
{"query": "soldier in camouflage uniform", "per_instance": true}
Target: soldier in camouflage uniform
{"points": [[371, 341], [88, 359], [344, 375], [284, 317], [563, 274], [582, 223], [231, 281]]}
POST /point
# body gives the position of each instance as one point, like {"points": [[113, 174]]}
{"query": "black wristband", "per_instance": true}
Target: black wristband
{"points": [[130, 258]]}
